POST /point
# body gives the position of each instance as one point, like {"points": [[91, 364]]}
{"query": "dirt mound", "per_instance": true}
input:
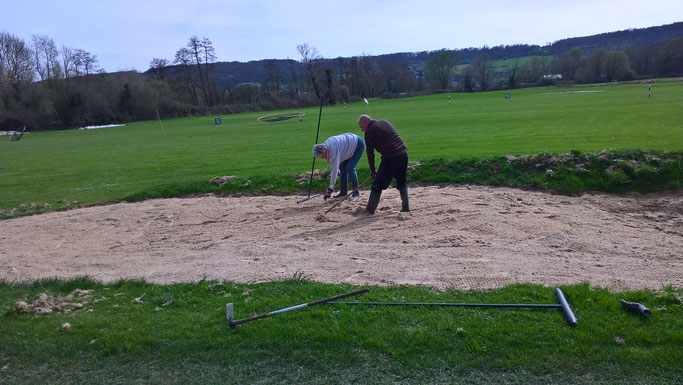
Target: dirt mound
{"points": [[46, 303]]}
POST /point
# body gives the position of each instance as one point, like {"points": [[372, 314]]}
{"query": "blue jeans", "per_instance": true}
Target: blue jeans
{"points": [[347, 168]]}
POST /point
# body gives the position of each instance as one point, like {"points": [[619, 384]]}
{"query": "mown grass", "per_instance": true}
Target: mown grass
{"points": [[179, 334], [53, 170]]}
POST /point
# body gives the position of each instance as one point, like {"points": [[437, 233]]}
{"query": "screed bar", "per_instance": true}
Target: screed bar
{"points": [[566, 310], [233, 323]]}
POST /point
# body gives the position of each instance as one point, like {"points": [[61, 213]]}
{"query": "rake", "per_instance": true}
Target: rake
{"points": [[566, 310]]}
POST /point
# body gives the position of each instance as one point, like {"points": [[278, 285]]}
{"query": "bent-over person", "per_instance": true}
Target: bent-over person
{"points": [[381, 135]]}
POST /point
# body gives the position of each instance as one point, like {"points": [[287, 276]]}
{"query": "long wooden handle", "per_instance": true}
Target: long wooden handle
{"points": [[346, 197]]}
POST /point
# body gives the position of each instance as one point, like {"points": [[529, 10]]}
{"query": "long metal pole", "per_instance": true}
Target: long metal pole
{"points": [[563, 304], [448, 304], [320, 114], [232, 324]]}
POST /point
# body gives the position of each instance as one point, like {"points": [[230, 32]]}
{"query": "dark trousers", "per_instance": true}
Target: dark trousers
{"points": [[390, 168]]}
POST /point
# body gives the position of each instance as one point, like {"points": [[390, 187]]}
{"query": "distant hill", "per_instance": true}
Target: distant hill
{"points": [[254, 71], [620, 39]]}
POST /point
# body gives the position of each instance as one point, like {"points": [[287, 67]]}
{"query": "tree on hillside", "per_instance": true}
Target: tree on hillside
{"points": [[591, 67], [615, 65], [157, 66], [294, 73], [68, 62], [313, 67], [568, 64], [512, 76], [669, 60], [85, 63], [46, 57], [642, 58], [16, 62], [195, 47], [183, 57], [16, 75], [271, 80], [399, 78], [439, 68], [483, 70], [466, 81], [209, 57]]}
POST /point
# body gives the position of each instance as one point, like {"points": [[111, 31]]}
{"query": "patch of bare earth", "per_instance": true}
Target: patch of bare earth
{"points": [[462, 237]]}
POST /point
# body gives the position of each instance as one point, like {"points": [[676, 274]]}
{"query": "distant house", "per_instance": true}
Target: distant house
{"points": [[552, 77]]}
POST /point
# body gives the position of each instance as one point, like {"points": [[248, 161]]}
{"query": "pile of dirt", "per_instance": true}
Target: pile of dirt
{"points": [[221, 180], [318, 174], [46, 303]]}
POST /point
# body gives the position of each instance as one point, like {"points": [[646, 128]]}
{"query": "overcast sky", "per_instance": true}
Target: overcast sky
{"points": [[127, 34]]}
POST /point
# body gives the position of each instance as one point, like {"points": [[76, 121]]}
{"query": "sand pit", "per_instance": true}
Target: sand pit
{"points": [[465, 237]]}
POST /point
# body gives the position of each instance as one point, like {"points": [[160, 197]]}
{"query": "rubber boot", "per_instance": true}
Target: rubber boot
{"points": [[343, 185], [373, 201], [405, 207]]}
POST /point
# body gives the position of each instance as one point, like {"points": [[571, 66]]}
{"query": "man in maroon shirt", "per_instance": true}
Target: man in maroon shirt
{"points": [[380, 135]]}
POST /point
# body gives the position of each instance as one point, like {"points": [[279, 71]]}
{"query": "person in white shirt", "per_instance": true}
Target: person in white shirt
{"points": [[342, 153]]}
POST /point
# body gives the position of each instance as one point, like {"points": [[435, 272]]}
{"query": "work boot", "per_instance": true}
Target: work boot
{"points": [[343, 185], [404, 199], [373, 201]]}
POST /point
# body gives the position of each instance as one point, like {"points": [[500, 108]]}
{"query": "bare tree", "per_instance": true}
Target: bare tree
{"points": [[439, 68], [184, 57], [194, 46], [16, 61], [311, 61], [483, 68], [157, 65], [209, 57], [47, 57], [68, 62], [467, 79], [295, 78], [85, 63], [512, 79], [272, 77]]}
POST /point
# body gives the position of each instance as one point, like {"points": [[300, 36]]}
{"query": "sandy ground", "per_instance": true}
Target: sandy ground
{"points": [[466, 237]]}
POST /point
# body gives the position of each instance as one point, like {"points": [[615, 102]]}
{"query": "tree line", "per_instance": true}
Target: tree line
{"points": [[44, 87]]}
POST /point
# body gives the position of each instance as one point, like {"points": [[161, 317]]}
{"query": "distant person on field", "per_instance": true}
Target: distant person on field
{"points": [[380, 135], [342, 153]]}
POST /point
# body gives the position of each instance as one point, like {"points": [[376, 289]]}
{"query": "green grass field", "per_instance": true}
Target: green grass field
{"points": [[179, 334], [91, 166], [503, 65]]}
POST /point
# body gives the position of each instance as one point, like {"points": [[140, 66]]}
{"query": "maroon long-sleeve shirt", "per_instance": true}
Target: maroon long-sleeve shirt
{"points": [[383, 137]]}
